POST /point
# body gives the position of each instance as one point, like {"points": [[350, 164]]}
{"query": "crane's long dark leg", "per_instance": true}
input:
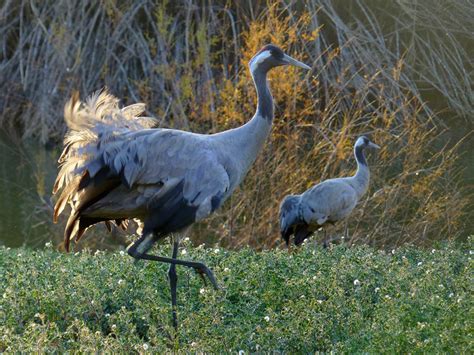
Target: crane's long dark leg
{"points": [[139, 252], [325, 239], [173, 285]]}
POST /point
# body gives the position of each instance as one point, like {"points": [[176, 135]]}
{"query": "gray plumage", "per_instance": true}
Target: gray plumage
{"points": [[327, 202], [114, 167]]}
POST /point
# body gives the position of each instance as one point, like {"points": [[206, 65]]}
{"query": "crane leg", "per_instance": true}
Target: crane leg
{"points": [[173, 285], [325, 239], [135, 251]]}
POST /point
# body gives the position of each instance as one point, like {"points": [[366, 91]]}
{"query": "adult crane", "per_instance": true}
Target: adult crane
{"points": [[114, 168], [327, 202]]}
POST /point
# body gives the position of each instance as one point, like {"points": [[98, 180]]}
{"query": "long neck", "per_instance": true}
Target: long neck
{"points": [[243, 144], [362, 176], [264, 96]]}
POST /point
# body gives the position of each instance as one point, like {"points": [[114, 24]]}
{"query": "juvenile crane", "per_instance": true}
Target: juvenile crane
{"points": [[327, 202], [114, 168]]}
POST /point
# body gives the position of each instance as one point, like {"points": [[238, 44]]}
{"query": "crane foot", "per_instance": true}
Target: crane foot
{"points": [[205, 271]]}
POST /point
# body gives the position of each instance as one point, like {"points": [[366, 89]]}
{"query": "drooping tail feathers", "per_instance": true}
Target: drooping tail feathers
{"points": [[290, 216], [90, 124]]}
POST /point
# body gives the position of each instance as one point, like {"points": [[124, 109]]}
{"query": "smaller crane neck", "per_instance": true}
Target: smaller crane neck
{"points": [[264, 96], [362, 176]]}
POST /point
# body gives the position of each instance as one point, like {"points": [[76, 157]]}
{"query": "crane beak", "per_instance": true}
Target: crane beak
{"points": [[291, 61], [373, 145]]}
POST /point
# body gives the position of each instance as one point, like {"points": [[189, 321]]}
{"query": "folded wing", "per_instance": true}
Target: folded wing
{"points": [[115, 169]]}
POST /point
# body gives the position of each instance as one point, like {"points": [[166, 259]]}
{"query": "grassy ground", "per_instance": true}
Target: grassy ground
{"points": [[344, 299]]}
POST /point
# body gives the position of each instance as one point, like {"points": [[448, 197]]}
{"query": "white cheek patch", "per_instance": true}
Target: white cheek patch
{"points": [[258, 59], [359, 142]]}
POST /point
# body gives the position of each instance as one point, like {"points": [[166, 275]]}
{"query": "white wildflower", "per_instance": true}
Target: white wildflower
{"points": [[267, 319], [471, 252], [186, 239], [114, 327], [107, 315], [120, 281], [302, 296], [320, 301], [241, 352], [97, 252], [92, 302], [314, 277], [419, 263], [451, 295], [393, 251], [377, 289], [122, 253], [226, 269], [216, 250], [145, 346], [356, 282], [388, 297], [48, 244], [193, 344], [183, 252], [19, 255], [441, 286], [433, 251], [202, 291]]}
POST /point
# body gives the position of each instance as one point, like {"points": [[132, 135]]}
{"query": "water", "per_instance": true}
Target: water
{"points": [[26, 175]]}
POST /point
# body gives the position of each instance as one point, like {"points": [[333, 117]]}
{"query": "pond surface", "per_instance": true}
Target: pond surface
{"points": [[26, 175]]}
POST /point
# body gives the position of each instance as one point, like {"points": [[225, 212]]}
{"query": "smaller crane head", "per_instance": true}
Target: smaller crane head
{"points": [[365, 142], [271, 56]]}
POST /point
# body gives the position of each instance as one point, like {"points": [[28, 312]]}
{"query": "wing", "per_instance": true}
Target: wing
{"points": [[330, 200], [169, 178], [174, 175]]}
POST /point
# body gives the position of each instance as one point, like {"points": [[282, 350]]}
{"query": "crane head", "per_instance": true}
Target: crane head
{"points": [[271, 56], [365, 142]]}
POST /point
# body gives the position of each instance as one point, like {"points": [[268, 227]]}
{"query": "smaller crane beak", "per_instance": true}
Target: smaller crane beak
{"points": [[373, 145], [291, 61]]}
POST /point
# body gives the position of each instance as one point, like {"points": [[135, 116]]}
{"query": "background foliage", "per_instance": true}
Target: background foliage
{"points": [[187, 61]]}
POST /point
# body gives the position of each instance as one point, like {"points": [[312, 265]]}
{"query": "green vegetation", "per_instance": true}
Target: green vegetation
{"points": [[342, 299]]}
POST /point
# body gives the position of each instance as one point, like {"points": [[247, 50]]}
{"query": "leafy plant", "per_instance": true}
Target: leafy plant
{"points": [[343, 299]]}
